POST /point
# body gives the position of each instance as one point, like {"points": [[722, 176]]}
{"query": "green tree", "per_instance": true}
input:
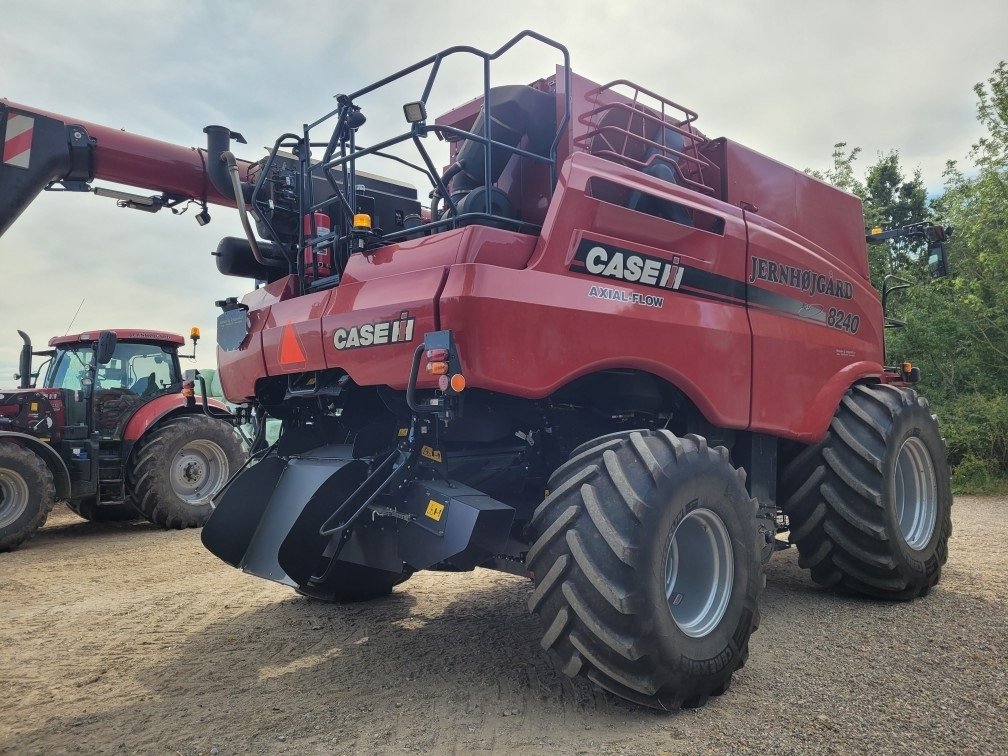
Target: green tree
{"points": [[890, 200], [957, 328]]}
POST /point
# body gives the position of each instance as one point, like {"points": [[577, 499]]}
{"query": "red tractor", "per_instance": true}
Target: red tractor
{"points": [[113, 433], [611, 354]]}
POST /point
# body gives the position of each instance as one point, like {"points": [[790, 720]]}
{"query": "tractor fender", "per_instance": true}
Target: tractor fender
{"points": [[156, 410], [55, 463]]}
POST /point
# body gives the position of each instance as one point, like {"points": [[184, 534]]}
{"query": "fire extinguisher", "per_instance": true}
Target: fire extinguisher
{"points": [[323, 258]]}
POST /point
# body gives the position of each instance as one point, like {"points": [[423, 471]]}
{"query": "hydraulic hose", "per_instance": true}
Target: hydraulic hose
{"points": [[232, 164]]}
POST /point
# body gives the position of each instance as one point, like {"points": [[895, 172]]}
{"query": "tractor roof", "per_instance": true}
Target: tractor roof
{"points": [[122, 334]]}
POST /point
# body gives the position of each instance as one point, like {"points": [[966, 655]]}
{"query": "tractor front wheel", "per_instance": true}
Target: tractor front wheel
{"points": [[179, 465], [646, 565], [27, 494]]}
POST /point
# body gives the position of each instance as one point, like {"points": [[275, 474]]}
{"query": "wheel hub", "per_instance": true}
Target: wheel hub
{"points": [[915, 493], [699, 572], [198, 471], [13, 497]]}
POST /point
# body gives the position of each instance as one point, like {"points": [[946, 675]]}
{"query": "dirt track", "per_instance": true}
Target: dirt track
{"points": [[125, 638]]}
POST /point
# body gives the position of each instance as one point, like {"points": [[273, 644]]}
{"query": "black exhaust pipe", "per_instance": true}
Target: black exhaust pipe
{"points": [[218, 142], [25, 361]]}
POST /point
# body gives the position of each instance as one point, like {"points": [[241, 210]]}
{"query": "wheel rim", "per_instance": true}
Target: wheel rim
{"points": [[699, 572], [915, 490], [198, 471], [13, 497]]}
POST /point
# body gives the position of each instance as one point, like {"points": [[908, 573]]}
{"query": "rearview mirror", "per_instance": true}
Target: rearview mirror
{"points": [[938, 259], [105, 347]]}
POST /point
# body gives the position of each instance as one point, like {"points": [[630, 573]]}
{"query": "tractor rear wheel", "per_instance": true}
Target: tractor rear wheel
{"points": [[870, 505], [27, 494], [93, 512], [179, 465], [646, 565]]}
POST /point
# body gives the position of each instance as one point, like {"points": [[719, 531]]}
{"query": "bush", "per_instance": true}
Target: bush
{"points": [[975, 427]]}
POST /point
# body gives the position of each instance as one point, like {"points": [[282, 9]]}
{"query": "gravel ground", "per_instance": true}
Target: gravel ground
{"points": [[123, 638]]}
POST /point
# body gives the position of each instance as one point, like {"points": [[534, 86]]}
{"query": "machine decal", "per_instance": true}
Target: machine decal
{"points": [[807, 281], [607, 261], [375, 334], [430, 453], [434, 510], [291, 351], [18, 140], [620, 295]]}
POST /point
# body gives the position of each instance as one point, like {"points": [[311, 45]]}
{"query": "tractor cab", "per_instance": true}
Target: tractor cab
{"points": [[137, 368]]}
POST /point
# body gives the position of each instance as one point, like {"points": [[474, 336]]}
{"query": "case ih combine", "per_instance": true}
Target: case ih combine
{"points": [[111, 433], [612, 354]]}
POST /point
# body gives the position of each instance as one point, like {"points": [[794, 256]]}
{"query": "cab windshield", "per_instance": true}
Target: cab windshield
{"points": [[141, 369]]}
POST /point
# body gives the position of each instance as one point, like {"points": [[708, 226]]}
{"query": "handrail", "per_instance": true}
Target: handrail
{"points": [[341, 151]]}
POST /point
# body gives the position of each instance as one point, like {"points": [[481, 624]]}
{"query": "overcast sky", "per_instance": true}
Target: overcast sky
{"points": [[786, 78]]}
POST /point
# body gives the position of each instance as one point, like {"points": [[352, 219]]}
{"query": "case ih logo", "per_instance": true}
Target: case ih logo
{"points": [[18, 140], [606, 261], [375, 334]]}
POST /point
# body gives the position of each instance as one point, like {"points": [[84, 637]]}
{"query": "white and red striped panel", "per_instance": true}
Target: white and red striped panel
{"points": [[18, 140]]}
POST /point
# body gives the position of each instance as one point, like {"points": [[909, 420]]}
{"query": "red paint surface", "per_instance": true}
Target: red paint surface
{"points": [[154, 410], [134, 160], [122, 334], [525, 324]]}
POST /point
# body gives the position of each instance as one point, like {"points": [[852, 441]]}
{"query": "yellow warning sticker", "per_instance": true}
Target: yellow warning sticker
{"points": [[33, 407], [403, 432], [435, 510], [430, 453]]}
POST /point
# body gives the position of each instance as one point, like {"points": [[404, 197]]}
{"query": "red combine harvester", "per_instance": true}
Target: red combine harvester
{"points": [[612, 354], [114, 431]]}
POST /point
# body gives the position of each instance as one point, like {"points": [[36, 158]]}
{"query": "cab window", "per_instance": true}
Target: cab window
{"points": [[141, 369]]}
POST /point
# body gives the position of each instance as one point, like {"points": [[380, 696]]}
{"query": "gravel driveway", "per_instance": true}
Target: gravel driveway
{"points": [[124, 638]]}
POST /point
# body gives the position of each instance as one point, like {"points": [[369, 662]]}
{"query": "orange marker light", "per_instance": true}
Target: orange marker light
{"points": [[188, 389], [437, 368], [458, 383]]}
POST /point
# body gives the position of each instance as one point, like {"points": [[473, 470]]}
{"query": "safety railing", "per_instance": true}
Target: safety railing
{"points": [[624, 129], [341, 151]]}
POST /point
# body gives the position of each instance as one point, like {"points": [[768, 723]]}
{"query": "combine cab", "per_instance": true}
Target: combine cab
{"points": [[611, 354], [111, 432]]}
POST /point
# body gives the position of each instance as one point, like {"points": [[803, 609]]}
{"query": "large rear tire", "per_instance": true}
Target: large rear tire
{"points": [[179, 465], [870, 506], [27, 494], [646, 565]]}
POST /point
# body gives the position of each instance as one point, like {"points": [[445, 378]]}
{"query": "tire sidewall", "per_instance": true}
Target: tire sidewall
{"points": [[718, 489], [184, 430], [39, 497], [915, 422]]}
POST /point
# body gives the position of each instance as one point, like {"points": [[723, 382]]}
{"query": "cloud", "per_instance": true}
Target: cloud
{"points": [[786, 78]]}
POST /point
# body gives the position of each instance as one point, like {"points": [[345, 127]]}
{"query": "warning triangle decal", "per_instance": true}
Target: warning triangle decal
{"points": [[291, 352]]}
